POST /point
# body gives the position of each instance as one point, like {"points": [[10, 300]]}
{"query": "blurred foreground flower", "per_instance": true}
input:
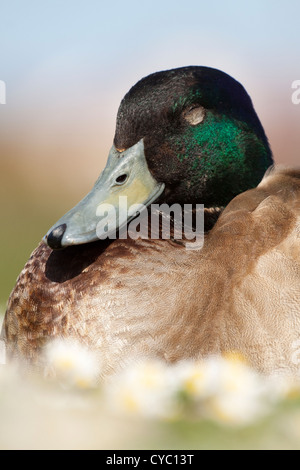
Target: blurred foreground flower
{"points": [[200, 400], [223, 389], [143, 389], [72, 364], [239, 395]]}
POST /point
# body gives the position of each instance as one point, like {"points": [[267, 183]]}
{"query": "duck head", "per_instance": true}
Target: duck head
{"points": [[186, 135]]}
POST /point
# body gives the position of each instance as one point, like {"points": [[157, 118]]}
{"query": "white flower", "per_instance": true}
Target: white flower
{"points": [[72, 363], [195, 379], [142, 390], [241, 395], [2, 352], [283, 386], [224, 389]]}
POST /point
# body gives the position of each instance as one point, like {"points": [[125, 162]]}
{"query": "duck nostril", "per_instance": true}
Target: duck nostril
{"points": [[54, 238], [121, 179]]}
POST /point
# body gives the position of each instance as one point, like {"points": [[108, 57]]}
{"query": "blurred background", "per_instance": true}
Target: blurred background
{"points": [[67, 64]]}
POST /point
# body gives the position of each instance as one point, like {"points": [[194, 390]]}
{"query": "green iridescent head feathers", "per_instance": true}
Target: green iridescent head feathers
{"points": [[209, 159]]}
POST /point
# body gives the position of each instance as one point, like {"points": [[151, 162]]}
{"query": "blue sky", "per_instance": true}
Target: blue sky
{"points": [[69, 62], [145, 36]]}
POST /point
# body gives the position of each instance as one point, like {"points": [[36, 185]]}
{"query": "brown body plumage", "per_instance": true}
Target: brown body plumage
{"points": [[132, 298]]}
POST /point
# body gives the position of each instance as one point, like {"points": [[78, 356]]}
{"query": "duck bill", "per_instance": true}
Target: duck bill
{"points": [[124, 187]]}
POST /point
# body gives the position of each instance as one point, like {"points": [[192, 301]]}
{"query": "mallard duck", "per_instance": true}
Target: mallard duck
{"points": [[188, 135]]}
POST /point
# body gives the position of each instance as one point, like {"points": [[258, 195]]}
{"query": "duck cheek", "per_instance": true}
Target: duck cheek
{"points": [[165, 163]]}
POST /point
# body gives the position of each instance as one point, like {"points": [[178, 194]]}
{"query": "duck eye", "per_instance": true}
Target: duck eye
{"points": [[121, 179], [194, 115]]}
